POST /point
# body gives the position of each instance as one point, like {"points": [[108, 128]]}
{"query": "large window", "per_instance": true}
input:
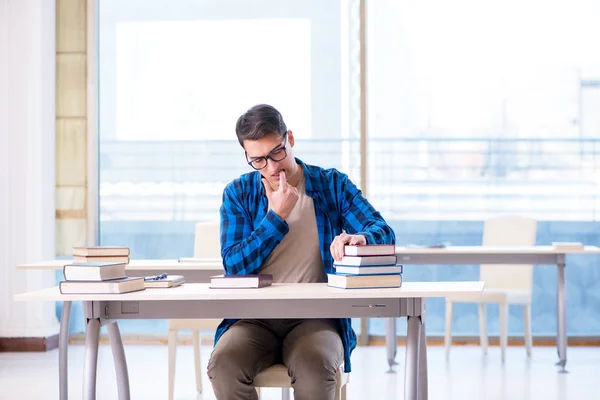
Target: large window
{"points": [[175, 75], [480, 109], [474, 109]]}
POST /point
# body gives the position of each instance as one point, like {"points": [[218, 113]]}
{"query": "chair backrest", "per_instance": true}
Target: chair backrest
{"points": [[207, 242], [508, 231]]}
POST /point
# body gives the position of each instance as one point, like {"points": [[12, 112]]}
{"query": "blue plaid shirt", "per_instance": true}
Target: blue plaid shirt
{"points": [[250, 230]]}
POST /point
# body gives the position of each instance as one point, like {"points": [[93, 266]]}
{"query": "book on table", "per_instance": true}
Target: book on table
{"points": [[344, 281], [240, 281], [368, 270], [107, 259], [94, 271], [370, 250], [166, 282], [115, 286], [367, 260], [568, 245], [105, 251]]}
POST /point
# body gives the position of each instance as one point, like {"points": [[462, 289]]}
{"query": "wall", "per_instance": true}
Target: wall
{"points": [[27, 160]]}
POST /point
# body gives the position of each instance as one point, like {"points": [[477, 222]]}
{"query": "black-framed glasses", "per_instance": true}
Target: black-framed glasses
{"points": [[277, 154]]}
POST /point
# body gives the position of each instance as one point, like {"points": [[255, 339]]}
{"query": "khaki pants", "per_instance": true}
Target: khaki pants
{"points": [[311, 349]]}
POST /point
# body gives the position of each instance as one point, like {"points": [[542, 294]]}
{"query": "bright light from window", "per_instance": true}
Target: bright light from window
{"points": [[191, 80]]}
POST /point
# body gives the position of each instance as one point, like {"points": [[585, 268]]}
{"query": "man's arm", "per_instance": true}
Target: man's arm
{"points": [[245, 250]]}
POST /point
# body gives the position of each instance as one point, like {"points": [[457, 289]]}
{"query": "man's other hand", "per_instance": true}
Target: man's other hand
{"points": [[283, 199], [337, 246]]}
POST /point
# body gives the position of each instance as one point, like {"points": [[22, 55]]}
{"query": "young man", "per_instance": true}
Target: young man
{"points": [[291, 220]]}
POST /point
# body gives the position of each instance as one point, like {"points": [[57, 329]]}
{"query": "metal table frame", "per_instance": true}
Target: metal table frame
{"points": [[490, 257], [107, 313]]}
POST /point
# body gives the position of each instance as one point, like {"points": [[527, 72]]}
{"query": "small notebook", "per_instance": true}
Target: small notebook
{"points": [[568, 245], [168, 282]]}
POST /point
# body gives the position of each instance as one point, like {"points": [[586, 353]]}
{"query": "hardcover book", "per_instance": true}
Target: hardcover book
{"points": [[101, 251], [367, 260], [105, 259], [115, 286], [368, 270], [94, 271], [370, 250], [240, 281], [364, 281]]}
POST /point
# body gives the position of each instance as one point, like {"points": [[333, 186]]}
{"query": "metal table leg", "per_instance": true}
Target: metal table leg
{"points": [[411, 368], [391, 342], [90, 362], [63, 351], [120, 361], [423, 382], [561, 331]]}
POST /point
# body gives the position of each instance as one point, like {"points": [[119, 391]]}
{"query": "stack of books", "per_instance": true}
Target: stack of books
{"points": [[367, 266], [103, 254], [99, 276]]}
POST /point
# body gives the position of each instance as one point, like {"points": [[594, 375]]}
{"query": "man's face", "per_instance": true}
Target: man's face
{"points": [[274, 148]]}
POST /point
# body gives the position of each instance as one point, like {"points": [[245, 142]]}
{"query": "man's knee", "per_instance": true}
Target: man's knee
{"points": [[313, 365], [228, 362]]}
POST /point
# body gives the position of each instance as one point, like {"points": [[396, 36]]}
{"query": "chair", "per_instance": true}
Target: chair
{"points": [[277, 376], [504, 284], [207, 244]]}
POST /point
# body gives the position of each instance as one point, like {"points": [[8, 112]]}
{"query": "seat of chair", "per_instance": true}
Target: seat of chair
{"points": [[494, 296], [277, 376], [208, 324], [272, 377]]}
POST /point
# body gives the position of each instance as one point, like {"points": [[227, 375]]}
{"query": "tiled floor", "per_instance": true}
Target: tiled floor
{"points": [[468, 375]]}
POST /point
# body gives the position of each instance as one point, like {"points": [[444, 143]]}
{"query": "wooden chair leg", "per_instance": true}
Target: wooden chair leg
{"points": [[483, 338], [172, 345], [197, 359], [448, 336], [527, 326], [503, 329]]}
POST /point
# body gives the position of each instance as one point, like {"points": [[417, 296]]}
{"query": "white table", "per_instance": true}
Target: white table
{"points": [[496, 255], [199, 271], [301, 300]]}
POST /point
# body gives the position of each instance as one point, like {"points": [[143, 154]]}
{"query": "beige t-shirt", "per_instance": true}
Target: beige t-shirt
{"points": [[298, 257]]}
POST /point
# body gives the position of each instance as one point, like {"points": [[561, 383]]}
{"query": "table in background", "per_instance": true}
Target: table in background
{"points": [[197, 271], [547, 255]]}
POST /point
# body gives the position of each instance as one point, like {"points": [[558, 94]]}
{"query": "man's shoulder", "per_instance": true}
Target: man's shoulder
{"points": [[325, 176], [243, 181], [325, 179]]}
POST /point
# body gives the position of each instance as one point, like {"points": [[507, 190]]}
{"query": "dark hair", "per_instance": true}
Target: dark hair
{"points": [[258, 122]]}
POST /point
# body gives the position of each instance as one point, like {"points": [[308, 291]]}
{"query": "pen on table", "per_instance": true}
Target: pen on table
{"points": [[156, 277]]}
